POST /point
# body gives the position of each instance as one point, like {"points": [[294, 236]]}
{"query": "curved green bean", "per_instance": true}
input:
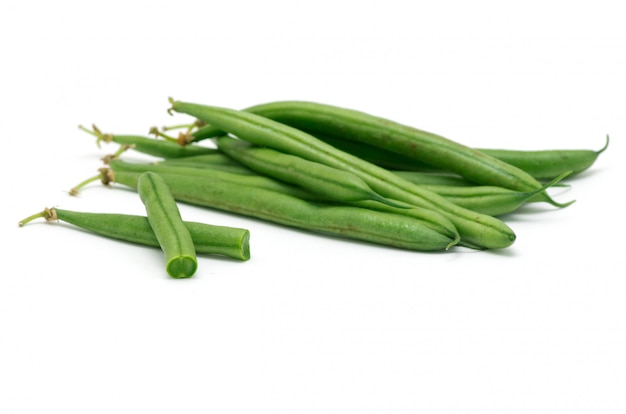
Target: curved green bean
{"points": [[476, 230], [327, 182], [423, 146], [168, 226], [494, 201], [546, 164], [542, 165], [434, 220], [343, 221], [207, 239]]}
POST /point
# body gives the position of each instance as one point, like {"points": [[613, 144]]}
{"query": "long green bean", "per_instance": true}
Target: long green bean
{"points": [[426, 147], [430, 218], [476, 230], [329, 183], [343, 221]]}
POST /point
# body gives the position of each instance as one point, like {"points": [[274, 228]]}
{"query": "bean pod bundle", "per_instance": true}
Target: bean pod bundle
{"points": [[324, 169]]}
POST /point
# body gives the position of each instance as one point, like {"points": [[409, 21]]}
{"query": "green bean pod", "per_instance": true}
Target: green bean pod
{"points": [[327, 182], [546, 164], [477, 230], [207, 173], [207, 239], [432, 219], [151, 146], [342, 221], [168, 226], [423, 146], [494, 201], [542, 165]]}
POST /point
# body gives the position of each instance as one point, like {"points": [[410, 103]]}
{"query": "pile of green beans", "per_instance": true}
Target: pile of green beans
{"points": [[321, 168]]}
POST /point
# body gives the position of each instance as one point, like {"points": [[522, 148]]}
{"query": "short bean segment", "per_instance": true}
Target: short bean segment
{"points": [[168, 226], [329, 183], [207, 239], [339, 220], [481, 231], [423, 146]]}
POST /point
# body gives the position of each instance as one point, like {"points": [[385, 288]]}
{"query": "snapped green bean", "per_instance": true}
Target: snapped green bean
{"points": [[207, 239], [168, 226]]}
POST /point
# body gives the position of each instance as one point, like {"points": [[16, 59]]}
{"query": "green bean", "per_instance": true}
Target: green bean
{"points": [[378, 156], [218, 161], [541, 165], [343, 221], [206, 173], [494, 201], [168, 226], [329, 183], [423, 146], [207, 239], [545, 164], [430, 218], [150, 146], [476, 230]]}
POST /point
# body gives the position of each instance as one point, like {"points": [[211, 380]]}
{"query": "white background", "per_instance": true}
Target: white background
{"points": [[312, 324]]}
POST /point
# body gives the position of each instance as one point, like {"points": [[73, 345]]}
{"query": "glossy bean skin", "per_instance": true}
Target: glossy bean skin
{"points": [[329, 183], [343, 221], [168, 226], [426, 147], [434, 220], [480, 231], [207, 239]]}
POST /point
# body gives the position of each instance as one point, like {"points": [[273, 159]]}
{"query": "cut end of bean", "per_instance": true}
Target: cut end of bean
{"points": [[182, 267], [245, 246]]}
